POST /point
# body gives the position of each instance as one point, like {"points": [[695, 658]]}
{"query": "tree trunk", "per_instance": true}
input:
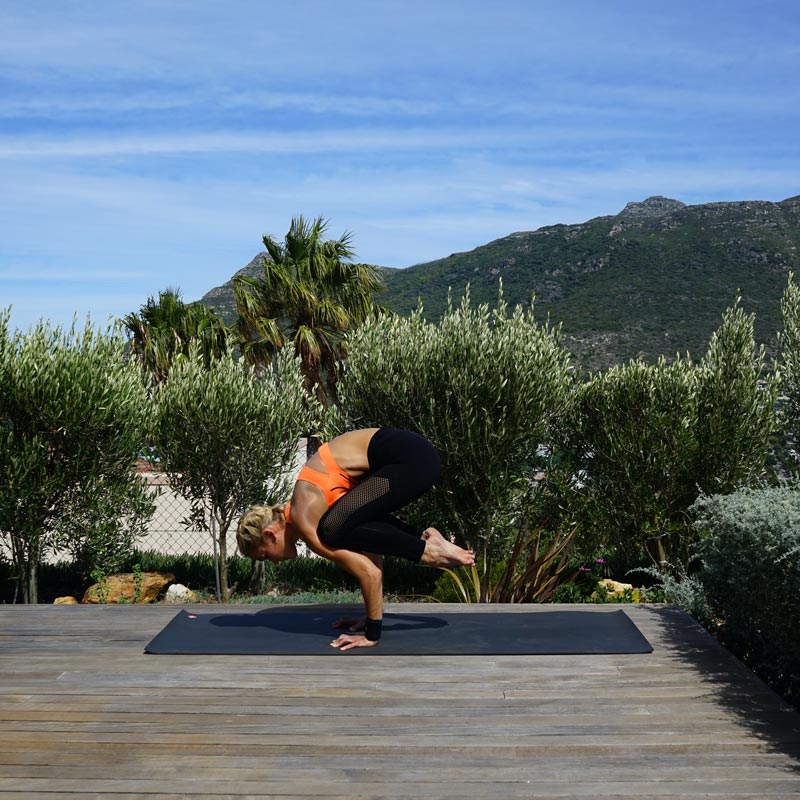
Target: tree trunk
{"points": [[224, 590], [485, 572], [258, 578], [312, 445], [29, 580]]}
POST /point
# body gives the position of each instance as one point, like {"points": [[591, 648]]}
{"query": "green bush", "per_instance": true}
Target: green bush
{"points": [[317, 575], [482, 385], [193, 570], [227, 438], [55, 580], [334, 596], [751, 575], [73, 417], [789, 340], [320, 575], [645, 440], [447, 589]]}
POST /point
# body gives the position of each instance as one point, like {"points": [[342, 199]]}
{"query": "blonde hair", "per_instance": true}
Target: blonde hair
{"points": [[249, 534]]}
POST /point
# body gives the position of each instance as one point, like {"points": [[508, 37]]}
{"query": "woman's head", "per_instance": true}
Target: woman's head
{"points": [[261, 534]]}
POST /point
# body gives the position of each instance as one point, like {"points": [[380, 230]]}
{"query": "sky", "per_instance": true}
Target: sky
{"points": [[152, 144]]}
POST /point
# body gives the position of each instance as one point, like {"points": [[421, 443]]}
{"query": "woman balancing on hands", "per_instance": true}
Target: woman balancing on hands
{"points": [[341, 509]]}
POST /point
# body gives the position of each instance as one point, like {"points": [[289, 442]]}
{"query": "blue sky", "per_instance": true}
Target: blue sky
{"points": [[152, 144]]}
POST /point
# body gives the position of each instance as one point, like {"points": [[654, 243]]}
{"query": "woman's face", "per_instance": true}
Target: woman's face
{"points": [[275, 546]]}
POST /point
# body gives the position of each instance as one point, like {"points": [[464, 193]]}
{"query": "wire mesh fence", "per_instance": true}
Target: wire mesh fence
{"points": [[168, 531]]}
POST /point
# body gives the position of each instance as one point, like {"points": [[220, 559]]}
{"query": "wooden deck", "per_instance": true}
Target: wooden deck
{"points": [[84, 713]]}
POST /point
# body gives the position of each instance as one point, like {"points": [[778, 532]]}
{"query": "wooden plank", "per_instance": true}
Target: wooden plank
{"points": [[77, 693], [371, 785]]}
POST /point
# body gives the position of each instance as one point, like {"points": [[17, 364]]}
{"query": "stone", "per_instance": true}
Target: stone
{"points": [[178, 593], [67, 600], [122, 588], [613, 588], [652, 207]]}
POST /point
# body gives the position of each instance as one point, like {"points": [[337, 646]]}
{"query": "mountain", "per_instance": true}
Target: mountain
{"points": [[653, 279]]}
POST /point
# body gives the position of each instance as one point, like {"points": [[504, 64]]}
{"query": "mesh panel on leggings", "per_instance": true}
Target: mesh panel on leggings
{"points": [[368, 491]]}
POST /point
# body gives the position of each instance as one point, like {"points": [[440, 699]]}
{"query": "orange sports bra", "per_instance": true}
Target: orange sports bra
{"points": [[334, 483]]}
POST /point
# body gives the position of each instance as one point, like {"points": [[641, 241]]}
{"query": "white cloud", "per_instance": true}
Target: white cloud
{"points": [[153, 143]]}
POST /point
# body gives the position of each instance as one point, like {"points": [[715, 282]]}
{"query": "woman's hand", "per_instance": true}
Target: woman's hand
{"points": [[348, 642], [351, 623]]}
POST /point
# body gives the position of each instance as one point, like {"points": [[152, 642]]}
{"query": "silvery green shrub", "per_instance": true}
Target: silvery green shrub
{"points": [[228, 438], [73, 417], [750, 556], [646, 440], [482, 385]]}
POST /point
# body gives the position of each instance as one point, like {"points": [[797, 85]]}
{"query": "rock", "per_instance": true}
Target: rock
{"points": [[652, 207], [68, 600], [122, 588], [613, 588], [178, 593]]}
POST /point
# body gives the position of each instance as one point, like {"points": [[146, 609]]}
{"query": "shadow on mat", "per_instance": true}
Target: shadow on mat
{"points": [[320, 624]]}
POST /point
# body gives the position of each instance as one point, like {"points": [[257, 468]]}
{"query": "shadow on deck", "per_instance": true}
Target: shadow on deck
{"points": [[754, 705]]}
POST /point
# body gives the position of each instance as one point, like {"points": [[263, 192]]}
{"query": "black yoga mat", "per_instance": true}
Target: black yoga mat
{"points": [[306, 630]]}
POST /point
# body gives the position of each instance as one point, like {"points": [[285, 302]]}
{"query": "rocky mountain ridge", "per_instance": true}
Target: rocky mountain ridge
{"points": [[652, 279]]}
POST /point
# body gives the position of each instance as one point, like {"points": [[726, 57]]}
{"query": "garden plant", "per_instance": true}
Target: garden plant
{"points": [[641, 441], [73, 417], [482, 385], [227, 437]]}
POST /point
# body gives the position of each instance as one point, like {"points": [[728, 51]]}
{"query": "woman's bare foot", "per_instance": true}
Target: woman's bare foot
{"points": [[441, 553]]}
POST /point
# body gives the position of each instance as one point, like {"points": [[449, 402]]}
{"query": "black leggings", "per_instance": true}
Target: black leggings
{"points": [[402, 466]]}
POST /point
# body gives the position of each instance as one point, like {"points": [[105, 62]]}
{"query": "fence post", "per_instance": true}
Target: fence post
{"points": [[216, 556]]}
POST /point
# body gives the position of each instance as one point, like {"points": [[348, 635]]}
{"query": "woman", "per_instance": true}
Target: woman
{"points": [[341, 509]]}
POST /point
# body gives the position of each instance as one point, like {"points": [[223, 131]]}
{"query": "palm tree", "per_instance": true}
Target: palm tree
{"points": [[310, 295], [164, 329]]}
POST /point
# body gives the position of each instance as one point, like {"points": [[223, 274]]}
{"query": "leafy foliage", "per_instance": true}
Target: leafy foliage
{"points": [[309, 295], [481, 385], [647, 439], [228, 438], [166, 328], [532, 574], [73, 416], [790, 357], [630, 431], [682, 587], [652, 280], [751, 575], [735, 407], [630, 285]]}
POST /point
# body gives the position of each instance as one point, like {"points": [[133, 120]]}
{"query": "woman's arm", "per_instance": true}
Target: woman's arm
{"points": [[355, 624], [367, 570], [368, 574], [370, 579]]}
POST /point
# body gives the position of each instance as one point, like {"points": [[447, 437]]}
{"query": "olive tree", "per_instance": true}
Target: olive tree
{"points": [[735, 406], [790, 357], [228, 438], [631, 434], [481, 385], [648, 439], [73, 417]]}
